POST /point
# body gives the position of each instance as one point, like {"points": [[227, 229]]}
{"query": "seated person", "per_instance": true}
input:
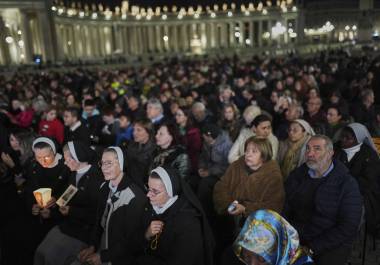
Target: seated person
{"points": [[119, 218], [261, 127], [323, 203], [169, 151], [64, 241], [291, 152], [254, 182], [359, 154], [139, 152], [177, 229], [267, 238]]}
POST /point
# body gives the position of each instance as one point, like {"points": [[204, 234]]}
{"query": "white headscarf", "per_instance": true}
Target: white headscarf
{"points": [[306, 126], [161, 172], [120, 156], [72, 151], [47, 141], [362, 135]]}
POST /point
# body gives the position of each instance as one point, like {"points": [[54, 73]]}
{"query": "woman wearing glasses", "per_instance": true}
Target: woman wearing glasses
{"points": [[64, 241], [119, 218], [177, 231]]}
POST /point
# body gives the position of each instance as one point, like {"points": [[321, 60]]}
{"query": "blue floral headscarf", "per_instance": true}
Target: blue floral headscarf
{"points": [[267, 234]]}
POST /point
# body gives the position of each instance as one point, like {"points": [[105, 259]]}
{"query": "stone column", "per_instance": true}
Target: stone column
{"points": [[27, 36], [242, 34], [4, 47], [251, 33], [260, 34], [231, 34], [48, 42]]}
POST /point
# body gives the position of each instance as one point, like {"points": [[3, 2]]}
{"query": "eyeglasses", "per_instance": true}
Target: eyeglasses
{"points": [[106, 163], [154, 192]]}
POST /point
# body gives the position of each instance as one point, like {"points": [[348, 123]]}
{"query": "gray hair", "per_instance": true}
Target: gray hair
{"points": [[298, 108], [328, 142], [156, 104], [198, 106], [224, 87], [366, 93]]}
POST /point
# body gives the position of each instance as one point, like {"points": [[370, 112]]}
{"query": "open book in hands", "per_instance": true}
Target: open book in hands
{"points": [[67, 196]]}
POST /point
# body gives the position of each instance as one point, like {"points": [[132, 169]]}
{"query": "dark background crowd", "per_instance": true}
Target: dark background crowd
{"points": [[197, 116]]}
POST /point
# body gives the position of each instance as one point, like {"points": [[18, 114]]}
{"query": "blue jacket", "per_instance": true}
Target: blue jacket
{"points": [[336, 214]]}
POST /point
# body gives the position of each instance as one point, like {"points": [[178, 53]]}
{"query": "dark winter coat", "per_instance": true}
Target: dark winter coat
{"points": [[138, 159], [83, 206], [174, 157], [333, 218], [81, 134], [123, 223], [365, 168], [181, 240]]}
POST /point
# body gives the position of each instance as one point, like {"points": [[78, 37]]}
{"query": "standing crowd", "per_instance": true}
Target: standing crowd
{"points": [[192, 162]]}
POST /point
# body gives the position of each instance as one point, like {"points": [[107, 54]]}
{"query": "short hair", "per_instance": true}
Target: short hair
{"points": [[259, 119], [366, 93], [298, 107], [224, 87], [73, 111], [156, 103], [252, 112], [108, 111], [318, 98], [198, 105], [328, 142], [338, 108], [89, 102], [263, 145]]}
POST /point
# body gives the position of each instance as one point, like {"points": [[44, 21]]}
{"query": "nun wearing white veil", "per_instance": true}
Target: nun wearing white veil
{"points": [[358, 152], [64, 241], [119, 218], [177, 230]]}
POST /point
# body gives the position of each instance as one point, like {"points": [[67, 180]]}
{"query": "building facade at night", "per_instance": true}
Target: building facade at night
{"points": [[49, 31]]}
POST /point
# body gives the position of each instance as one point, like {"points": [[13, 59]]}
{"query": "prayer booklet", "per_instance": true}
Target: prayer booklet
{"points": [[67, 196], [42, 196]]}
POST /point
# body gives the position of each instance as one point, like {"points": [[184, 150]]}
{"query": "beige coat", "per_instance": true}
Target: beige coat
{"points": [[237, 149], [263, 189]]}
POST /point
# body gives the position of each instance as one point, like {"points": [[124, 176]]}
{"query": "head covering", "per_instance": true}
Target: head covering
{"points": [[169, 186], [362, 135], [120, 156], [308, 129], [45, 140], [180, 189], [80, 152], [270, 236]]}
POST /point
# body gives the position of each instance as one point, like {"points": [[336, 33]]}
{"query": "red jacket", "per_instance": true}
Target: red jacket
{"points": [[53, 129]]}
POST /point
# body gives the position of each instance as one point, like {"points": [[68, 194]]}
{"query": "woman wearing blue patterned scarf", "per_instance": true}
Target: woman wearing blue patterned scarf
{"points": [[267, 238]]}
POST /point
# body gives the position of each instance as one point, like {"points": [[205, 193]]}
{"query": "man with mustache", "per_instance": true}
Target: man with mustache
{"points": [[324, 204]]}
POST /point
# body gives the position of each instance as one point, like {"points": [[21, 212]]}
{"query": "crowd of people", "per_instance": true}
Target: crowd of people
{"points": [[197, 161]]}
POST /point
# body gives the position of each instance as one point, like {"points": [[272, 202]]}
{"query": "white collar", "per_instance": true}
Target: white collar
{"points": [[56, 160], [83, 169], [352, 151], [75, 126]]}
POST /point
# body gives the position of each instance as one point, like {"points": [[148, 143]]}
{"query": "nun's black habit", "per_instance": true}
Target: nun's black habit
{"points": [[186, 237]]}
